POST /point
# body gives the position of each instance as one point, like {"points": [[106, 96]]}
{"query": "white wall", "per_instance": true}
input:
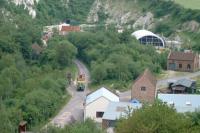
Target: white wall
{"points": [[100, 105]]}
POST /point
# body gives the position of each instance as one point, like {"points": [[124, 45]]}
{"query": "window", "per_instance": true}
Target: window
{"points": [[180, 65], [143, 88], [188, 66], [99, 114]]}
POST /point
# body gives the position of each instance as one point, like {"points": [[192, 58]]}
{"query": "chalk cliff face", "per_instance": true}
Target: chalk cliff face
{"points": [[120, 12], [31, 4]]}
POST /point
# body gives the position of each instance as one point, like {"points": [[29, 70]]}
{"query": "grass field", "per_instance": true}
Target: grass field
{"points": [[192, 4]]}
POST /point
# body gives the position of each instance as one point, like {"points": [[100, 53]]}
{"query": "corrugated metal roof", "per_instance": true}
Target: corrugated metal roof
{"points": [[184, 82], [117, 109], [102, 92], [142, 33], [182, 102]]}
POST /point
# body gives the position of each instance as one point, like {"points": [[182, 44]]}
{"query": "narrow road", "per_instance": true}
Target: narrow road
{"points": [[73, 110], [125, 96]]}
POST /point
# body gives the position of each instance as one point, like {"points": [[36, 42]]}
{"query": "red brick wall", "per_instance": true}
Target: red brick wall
{"points": [[184, 68], [194, 64], [143, 96]]}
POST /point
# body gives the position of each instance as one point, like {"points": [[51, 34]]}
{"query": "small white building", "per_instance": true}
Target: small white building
{"points": [[97, 102]]}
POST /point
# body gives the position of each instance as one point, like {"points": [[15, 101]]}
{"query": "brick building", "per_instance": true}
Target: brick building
{"points": [[144, 88], [183, 61], [65, 29]]}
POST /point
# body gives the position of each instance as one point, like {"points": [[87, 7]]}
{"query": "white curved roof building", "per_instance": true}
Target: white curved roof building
{"points": [[147, 37]]}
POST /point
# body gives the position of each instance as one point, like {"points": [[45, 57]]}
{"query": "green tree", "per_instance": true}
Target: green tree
{"points": [[157, 118], [65, 53], [5, 124]]}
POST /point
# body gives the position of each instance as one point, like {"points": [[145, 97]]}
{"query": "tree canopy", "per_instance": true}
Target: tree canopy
{"points": [[158, 118]]}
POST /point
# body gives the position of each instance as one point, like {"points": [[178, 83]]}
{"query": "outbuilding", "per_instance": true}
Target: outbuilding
{"points": [[97, 102], [148, 38], [182, 86], [144, 87], [183, 61]]}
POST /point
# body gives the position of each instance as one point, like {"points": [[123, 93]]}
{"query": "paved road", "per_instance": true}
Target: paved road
{"points": [[125, 96], [73, 110]]}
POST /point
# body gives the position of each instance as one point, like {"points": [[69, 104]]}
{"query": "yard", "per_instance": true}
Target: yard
{"points": [[192, 4]]}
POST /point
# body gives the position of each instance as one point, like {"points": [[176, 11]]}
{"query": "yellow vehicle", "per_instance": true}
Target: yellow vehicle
{"points": [[81, 82]]}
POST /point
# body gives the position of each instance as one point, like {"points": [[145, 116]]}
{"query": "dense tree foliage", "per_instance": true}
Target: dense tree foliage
{"points": [[159, 118], [168, 7], [31, 89], [113, 56], [172, 17], [59, 52], [54, 12], [29, 93]]}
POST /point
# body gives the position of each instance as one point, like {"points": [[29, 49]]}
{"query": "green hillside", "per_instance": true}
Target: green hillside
{"points": [[32, 83], [192, 4]]}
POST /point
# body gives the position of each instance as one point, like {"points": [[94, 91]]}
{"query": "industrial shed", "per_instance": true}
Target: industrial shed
{"points": [[147, 37], [181, 102]]}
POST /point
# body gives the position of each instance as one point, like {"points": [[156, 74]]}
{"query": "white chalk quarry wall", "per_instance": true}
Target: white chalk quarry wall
{"points": [[29, 5]]}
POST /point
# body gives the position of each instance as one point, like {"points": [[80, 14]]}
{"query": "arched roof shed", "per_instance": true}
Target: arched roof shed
{"points": [[147, 37]]}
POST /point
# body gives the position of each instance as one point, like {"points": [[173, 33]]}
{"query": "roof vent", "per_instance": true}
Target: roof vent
{"points": [[188, 103]]}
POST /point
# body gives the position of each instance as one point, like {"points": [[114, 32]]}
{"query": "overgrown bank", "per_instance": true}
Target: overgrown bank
{"points": [[32, 78]]}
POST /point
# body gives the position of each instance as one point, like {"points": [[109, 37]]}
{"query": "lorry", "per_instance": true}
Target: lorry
{"points": [[81, 82]]}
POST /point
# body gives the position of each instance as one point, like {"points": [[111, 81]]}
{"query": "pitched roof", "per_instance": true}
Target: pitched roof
{"points": [[182, 102], [70, 28], [102, 92], [183, 82], [117, 109], [149, 76], [189, 56]]}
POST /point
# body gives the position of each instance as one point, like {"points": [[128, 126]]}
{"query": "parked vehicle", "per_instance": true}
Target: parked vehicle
{"points": [[81, 82]]}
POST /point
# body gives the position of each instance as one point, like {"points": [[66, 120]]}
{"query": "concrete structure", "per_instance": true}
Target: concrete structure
{"points": [[148, 38], [116, 110], [144, 88], [181, 102], [97, 102], [183, 61]]}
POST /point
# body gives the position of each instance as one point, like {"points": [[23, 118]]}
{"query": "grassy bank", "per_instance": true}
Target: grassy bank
{"points": [[192, 4]]}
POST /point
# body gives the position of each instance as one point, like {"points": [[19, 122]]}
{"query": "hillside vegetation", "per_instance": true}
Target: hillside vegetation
{"points": [[32, 85], [159, 118], [116, 57], [192, 4]]}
